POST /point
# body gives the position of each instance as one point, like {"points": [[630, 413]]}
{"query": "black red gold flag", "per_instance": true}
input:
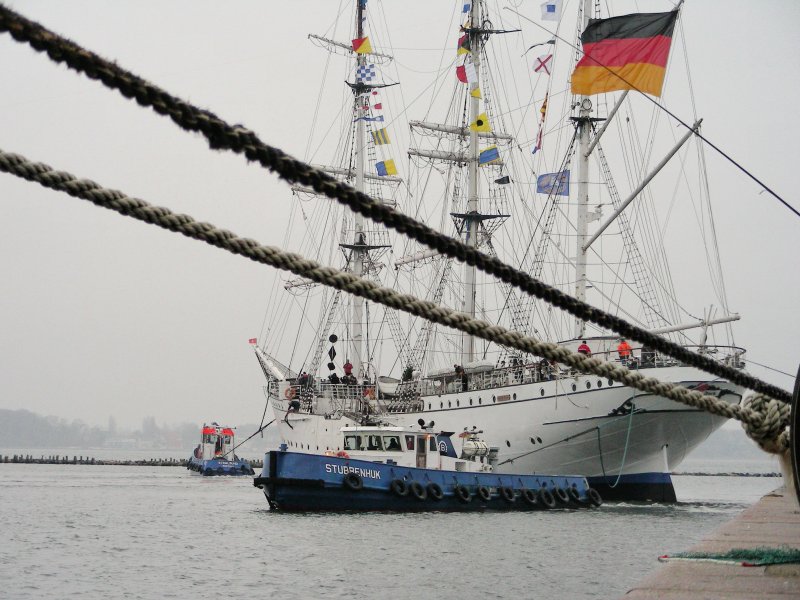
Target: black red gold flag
{"points": [[625, 53]]}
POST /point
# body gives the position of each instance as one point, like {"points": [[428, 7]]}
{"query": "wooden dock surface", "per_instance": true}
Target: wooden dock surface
{"points": [[774, 521]]}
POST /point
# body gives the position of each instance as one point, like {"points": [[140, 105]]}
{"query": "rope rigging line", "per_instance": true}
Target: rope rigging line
{"points": [[767, 424], [221, 135]]}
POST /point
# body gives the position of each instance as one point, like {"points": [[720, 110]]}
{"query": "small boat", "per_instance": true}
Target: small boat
{"points": [[214, 454], [384, 467]]}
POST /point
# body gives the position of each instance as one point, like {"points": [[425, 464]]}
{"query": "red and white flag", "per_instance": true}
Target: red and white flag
{"points": [[253, 341]]}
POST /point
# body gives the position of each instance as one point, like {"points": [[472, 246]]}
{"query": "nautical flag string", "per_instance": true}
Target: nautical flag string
{"points": [[543, 64], [365, 73], [386, 167], [380, 137], [378, 119], [362, 45], [551, 10], [489, 155], [556, 184], [543, 112], [481, 123]]}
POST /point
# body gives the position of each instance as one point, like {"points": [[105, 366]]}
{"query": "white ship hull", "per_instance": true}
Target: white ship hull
{"points": [[571, 426]]}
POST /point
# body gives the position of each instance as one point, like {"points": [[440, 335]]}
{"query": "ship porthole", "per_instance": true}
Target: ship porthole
{"points": [[541, 392], [574, 387], [494, 399], [514, 396], [458, 402], [449, 404], [610, 382], [480, 401], [429, 405], [588, 385], [533, 441], [538, 439], [599, 383], [470, 401], [508, 443], [441, 404]]}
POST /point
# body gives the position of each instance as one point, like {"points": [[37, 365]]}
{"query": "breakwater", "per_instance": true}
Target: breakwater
{"points": [[87, 460]]}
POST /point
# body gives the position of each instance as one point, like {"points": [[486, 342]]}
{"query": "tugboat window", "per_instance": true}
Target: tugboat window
{"points": [[352, 442], [374, 442], [432, 444], [391, 443], [409, 442]]}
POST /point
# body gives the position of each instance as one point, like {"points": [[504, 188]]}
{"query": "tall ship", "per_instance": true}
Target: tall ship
{"points": [[530, 150]]}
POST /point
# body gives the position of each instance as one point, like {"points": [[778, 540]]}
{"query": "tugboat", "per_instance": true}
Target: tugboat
{"points": [[211, 457], [383, 467]]}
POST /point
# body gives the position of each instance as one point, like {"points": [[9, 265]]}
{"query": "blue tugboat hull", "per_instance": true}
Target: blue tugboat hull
{"points": [[216, 466], [308, 482]]}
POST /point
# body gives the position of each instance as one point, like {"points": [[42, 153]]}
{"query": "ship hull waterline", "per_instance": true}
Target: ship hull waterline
{"points": [[547, 427]]}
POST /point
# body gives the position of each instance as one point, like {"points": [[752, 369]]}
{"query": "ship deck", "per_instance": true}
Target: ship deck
{"points": [[774, 521]]}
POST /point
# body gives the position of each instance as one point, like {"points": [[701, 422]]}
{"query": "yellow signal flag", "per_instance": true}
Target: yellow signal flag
{"points": [[362, 46], [481, 124], [476, 93]]}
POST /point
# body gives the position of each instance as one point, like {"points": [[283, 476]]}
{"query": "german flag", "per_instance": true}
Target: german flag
{"points": [[625, 53]]}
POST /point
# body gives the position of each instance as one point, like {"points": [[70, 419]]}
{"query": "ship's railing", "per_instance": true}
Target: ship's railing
{"points": [[408, 393], [363, 399]]}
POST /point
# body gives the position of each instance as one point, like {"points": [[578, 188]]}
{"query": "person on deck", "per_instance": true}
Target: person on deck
{"points": [[624, 351], [584, 349], [334, 378], [348, 367]]}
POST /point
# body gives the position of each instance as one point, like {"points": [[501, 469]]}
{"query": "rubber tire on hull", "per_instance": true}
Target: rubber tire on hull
{"points": [[353, 481], [462, 494], [507, 494], [561, 495], [484, 493], [546, 498], [530, 497], [594, 497], [399, 487], [574, 494], [418, 490], [435, 491]]}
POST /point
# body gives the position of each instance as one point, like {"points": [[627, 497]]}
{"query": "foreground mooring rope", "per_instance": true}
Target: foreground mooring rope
{"points": [[760, 422], [221, 135]]}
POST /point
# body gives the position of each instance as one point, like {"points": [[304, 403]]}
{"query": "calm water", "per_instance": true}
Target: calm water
{"points": [[162, 532]]}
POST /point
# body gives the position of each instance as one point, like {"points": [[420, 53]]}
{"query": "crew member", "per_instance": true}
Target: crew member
{"points": [[584, 349], [624, 351]]}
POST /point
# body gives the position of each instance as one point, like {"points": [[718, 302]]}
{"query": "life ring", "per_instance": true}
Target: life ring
{"points": [[484, 493], [462, 493], [594, 497], [508, 494], [574, 494], [353, 481], [419, 491], [399, 487], [561, 495], [435, 491], [289, 393], [529, 496], [342, 454], [546, 498]]}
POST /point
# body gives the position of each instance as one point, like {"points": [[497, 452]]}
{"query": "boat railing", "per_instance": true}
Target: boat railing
{"points": [[364, 399]]}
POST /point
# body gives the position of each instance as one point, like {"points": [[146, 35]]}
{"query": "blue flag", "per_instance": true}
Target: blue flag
{"points": [[489, 155], [553, 183]]}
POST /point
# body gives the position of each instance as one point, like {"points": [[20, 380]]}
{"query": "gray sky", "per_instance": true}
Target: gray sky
{"points": [[102, 315]]}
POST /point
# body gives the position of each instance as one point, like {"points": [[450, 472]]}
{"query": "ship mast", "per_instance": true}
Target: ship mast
{"points": [[359, 255], [583, 123], [471, 218]]}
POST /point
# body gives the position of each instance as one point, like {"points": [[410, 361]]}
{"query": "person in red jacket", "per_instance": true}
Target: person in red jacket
{"points": [[584, 349], [624, 351]]}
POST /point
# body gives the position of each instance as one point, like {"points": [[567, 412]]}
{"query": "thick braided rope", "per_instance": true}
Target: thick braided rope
{"points": [[221, 135], [269, 255], [773, 433]]}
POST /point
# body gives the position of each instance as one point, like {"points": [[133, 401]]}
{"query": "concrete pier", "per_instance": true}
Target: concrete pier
{"points": [[774, 521]]}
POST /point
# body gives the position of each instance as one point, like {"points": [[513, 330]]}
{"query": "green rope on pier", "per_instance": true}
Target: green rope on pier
{"points": [[747, 557]]}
